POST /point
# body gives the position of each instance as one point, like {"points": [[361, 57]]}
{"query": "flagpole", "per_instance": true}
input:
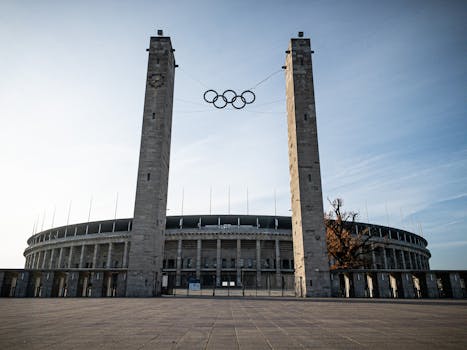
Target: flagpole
{"points": [[43, 218], [366, 209], [53, 217], [89, 212], [68, 217], [183, 197], [402, 217], [210, 200], [387, 215], [247, 204], [275, 203], [116, 205]]}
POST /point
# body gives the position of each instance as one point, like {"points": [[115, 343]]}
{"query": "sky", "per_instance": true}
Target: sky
{"points": [[390, 85]]}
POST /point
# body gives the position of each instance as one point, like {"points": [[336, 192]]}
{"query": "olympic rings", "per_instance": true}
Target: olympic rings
{"points": [[229, 96]]}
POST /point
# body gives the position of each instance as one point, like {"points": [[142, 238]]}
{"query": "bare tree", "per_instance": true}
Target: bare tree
{"points": [[347, 249]]}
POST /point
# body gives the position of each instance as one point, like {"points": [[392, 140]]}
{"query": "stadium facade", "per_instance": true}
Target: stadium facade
{"points": [[152, 254]]}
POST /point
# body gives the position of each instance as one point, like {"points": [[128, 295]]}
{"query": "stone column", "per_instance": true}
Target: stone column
{"points": [[97, 284], [198, 259], [407, 286], [94, 257], [47, 284], [22, 282], [121, 284], [178, 280], [312, 277], [60, 256], [125, 255], [396, 264], [456, 286], [419, 257], [404, 266], [258, 263], [359, 284], [72, 284], [44, 259], [384, 288], [31, 261], [146, 252], [409, 261], [385, 258], [36, 257], [239, 257], [70, 257], [218, 263], [431, 285], [415, 261], [109, 256], [278, 265], [51, 263], [373, 257], [38, 260], [81, 257]]}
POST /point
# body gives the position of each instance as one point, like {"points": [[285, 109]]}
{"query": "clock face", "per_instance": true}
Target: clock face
{"points": [[156, 80]]}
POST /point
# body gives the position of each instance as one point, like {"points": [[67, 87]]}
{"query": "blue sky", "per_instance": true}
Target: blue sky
{"points": [[390, 86]]}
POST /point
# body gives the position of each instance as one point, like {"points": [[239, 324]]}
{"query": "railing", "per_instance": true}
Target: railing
{"points": [[231, 292]]}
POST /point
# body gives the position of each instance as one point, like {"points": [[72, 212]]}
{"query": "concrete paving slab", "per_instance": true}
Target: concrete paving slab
{"points": [[231, 323]]}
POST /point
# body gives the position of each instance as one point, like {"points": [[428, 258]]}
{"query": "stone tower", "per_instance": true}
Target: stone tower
{"points": [[312, 276], [147, 236]]}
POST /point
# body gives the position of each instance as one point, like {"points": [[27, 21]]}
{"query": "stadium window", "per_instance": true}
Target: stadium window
{"points": [[149, 176]]}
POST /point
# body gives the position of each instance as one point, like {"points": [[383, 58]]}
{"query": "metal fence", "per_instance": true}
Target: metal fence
{"points": [[232, 292]]}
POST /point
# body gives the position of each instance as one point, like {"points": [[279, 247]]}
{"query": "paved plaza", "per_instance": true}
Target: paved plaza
{"points": [[231, 323]]}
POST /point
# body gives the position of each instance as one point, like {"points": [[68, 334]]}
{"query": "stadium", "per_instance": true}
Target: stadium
{"points": [[243, 251], [153, 254]]}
